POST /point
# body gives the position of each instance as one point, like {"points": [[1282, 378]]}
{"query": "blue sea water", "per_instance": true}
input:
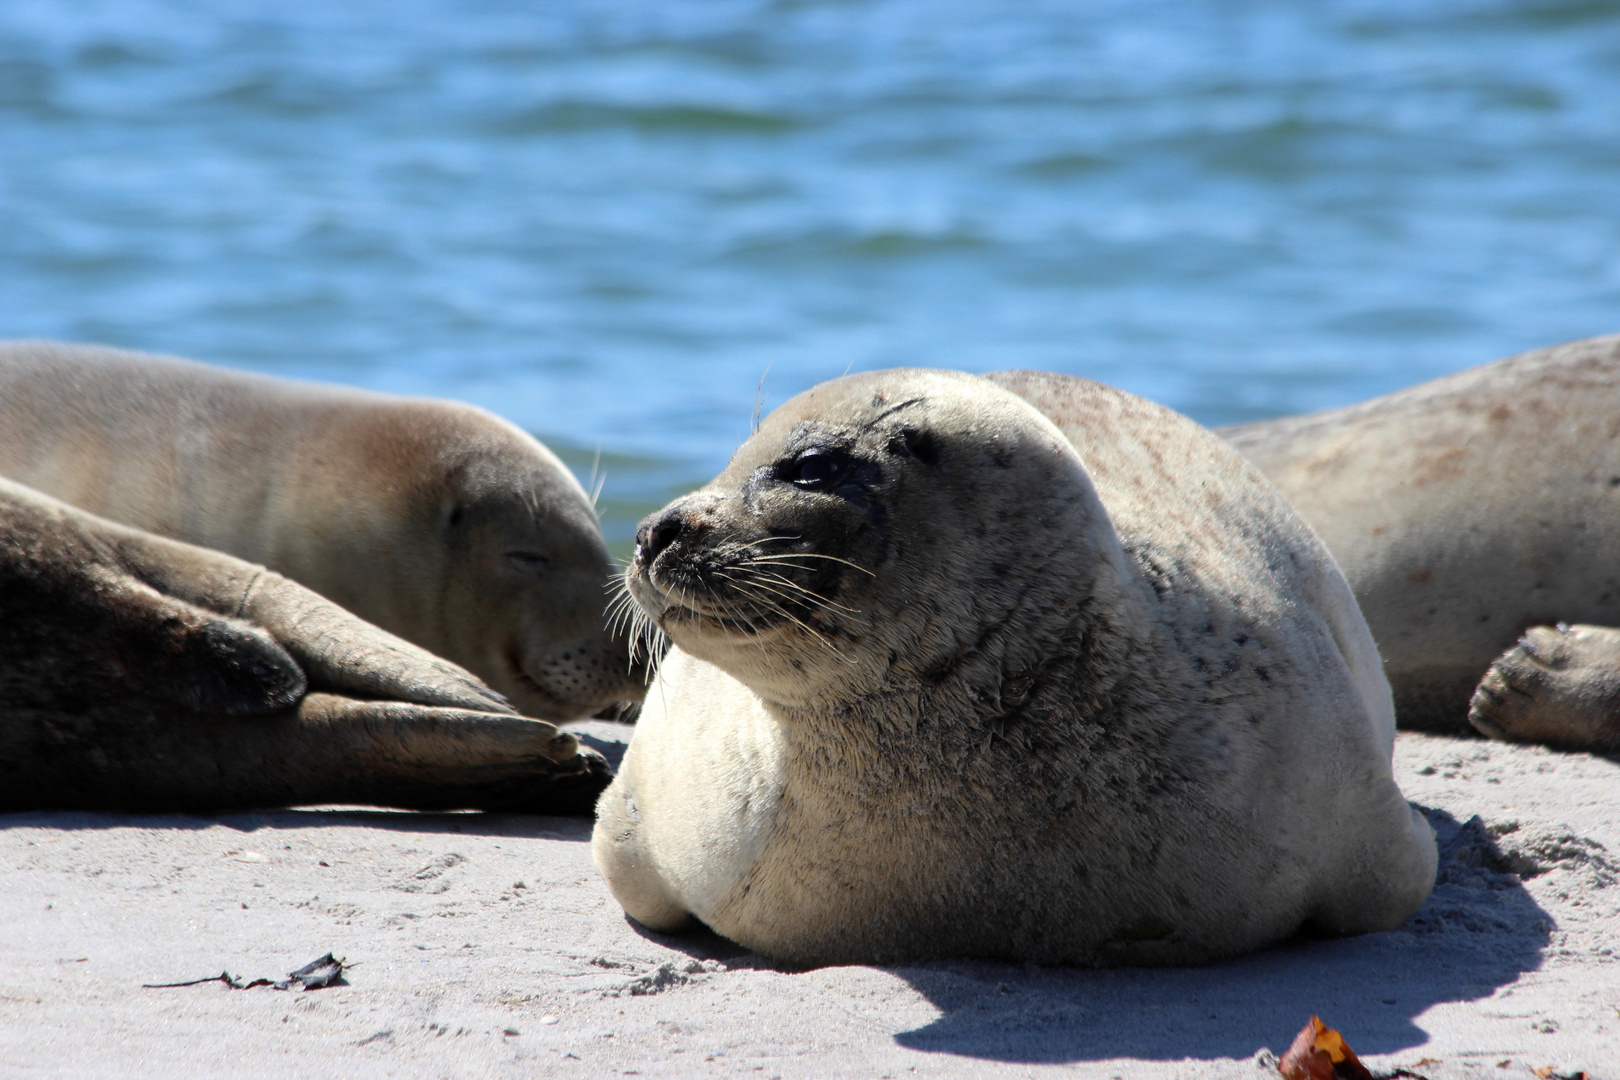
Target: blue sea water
{"points": [[610, 220]]}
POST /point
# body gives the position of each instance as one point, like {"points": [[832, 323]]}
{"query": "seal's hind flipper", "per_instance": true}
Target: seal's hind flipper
{"points": [[1560, 685]]}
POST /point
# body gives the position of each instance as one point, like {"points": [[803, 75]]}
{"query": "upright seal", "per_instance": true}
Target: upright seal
{"points": [[1027, 668], [1469, 512], [434, 520]]}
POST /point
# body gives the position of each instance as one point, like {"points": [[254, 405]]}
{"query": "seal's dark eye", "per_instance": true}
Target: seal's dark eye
{"points": [[816, 470], [528, 560]]}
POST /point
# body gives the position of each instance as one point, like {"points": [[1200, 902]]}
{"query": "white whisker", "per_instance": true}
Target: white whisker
{"points": [[787, 556], [800, 594], [776, 608]]}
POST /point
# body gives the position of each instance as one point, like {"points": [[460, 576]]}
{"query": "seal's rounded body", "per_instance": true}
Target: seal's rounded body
{"points": [[1025, 668], [1464, 512], [434, 520]]}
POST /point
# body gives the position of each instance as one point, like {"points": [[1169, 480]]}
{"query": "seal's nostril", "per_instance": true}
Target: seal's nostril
{"points": [[665, 532], [658, 534]]}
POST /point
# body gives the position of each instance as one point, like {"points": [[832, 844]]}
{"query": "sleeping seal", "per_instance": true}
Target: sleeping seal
{"points": [[138, 673], [1024, 668], [434, 520], [1470, 512]]}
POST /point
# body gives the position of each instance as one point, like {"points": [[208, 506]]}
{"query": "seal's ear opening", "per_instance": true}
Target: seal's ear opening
{"points": [[909, 442]]}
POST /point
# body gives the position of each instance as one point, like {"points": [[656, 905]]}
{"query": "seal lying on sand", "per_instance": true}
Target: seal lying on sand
{"points": [[954, 678], [1469, 511], [138, 673], [434, 520]]}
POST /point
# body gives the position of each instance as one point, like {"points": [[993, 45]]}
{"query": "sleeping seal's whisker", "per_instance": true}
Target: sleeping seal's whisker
{"points": [[598, 477]]}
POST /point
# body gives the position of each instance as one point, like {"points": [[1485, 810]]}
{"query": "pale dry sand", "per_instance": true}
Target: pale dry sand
{"points": [[485, 946]]}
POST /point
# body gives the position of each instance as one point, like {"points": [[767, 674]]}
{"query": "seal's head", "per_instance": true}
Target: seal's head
{"points": [[531, 573], [878, 530], [502, 567]]}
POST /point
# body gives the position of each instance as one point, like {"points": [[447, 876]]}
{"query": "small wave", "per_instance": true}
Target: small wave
{"points": [[118, 54], [24, 84], [893, 243], [1405, 323], [878, 244], [694, 119], [1064, 166], [272, 94]]}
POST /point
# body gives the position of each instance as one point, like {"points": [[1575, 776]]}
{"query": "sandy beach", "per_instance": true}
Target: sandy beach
{"points": [[486, 946]]}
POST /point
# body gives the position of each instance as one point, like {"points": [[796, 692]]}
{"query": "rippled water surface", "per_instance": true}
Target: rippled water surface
{"points": [[609, 220]]}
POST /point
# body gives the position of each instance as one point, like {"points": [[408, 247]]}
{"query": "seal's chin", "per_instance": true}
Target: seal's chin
{"points": [[531, 698]]}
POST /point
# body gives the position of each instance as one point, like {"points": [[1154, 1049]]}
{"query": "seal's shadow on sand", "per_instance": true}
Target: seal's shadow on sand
{"points": [[1478, 931]]}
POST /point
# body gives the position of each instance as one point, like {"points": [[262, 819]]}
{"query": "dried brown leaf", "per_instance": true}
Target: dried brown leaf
{"points": [[1319, 1052]]}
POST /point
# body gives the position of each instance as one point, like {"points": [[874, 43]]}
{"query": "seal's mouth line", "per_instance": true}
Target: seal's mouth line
{"points": [[682, 607], [679, 605], [733, 625], [682, 611]]}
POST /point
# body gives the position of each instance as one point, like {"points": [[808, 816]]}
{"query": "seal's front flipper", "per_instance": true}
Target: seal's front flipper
{"points": [[619, 847], [346, 655], [80, 630], [204, 663], [392, 753], [1559, 685], [338, 651]]}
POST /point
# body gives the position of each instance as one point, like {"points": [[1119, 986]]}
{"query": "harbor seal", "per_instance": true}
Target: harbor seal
{"points": [[1469, 513], [1025, 668], [435, 521], [138, 673]]}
